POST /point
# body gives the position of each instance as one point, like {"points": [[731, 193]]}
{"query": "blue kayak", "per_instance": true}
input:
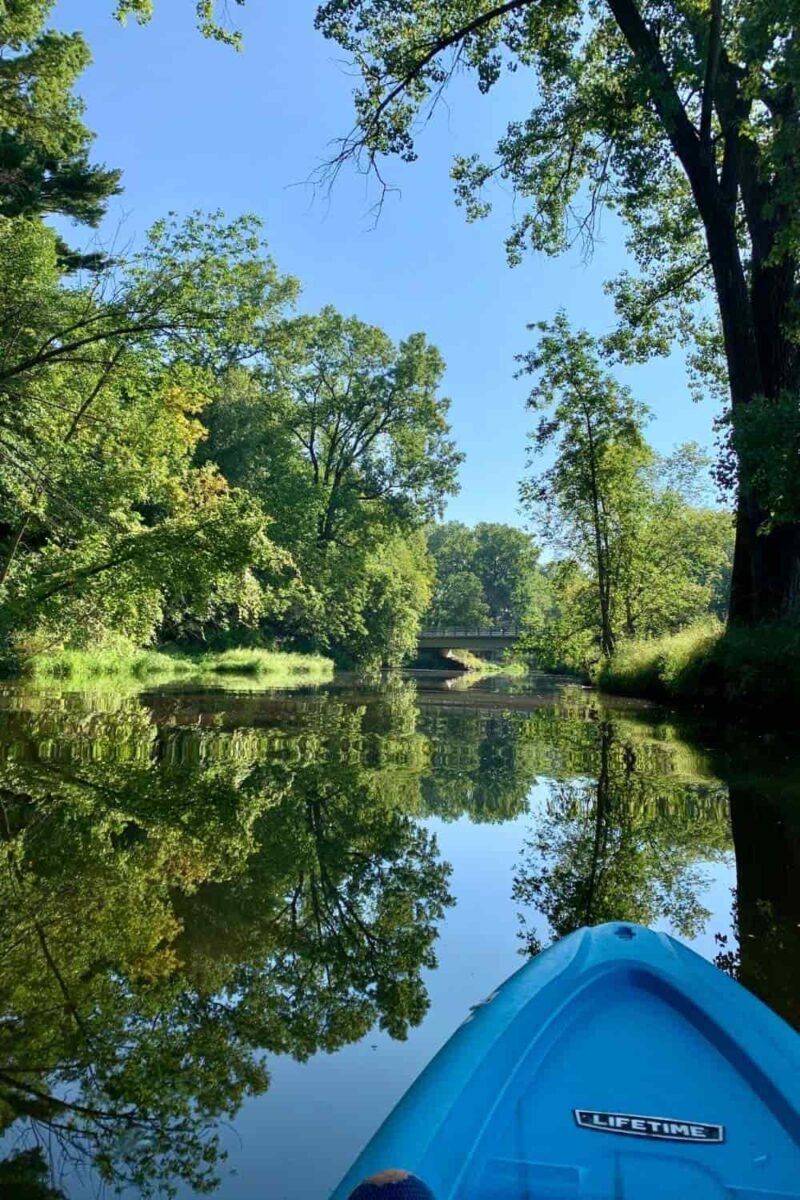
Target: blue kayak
{"points": [[618, 1063]]}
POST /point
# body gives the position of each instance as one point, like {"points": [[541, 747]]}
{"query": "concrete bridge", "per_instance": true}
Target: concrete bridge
{"points": [[468, 639]]}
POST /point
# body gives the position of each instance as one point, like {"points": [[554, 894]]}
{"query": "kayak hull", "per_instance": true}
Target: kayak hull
{"points": [[618, 1063]]}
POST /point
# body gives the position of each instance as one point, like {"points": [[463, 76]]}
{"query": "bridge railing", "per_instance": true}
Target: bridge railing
{"points": [[503, 631]]}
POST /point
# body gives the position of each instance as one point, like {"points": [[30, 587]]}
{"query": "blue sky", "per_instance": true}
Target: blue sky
{"points": [[195, 125]]}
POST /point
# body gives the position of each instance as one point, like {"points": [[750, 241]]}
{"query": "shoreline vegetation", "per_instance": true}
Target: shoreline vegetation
{"points": [[753, 671], [749, 672], [473, 664], [126, 663], [173, 473]]}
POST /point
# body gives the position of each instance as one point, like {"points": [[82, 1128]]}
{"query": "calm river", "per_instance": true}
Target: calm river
{"points": [[235, 925]]}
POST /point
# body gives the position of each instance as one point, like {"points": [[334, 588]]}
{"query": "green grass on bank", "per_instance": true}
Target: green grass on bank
{"points": [[751, 669], [482, 666], [125, 663]]}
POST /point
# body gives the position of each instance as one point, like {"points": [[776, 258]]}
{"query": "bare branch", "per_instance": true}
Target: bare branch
{"points": [[359, 138]]}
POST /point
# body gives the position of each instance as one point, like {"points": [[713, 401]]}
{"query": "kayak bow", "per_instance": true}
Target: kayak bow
{"points": [[618, 1063]]}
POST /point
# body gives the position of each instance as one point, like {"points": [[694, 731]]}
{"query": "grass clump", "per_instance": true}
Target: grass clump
{"points": [[264, 662], [126, 663], [754, 669], [482, 666], [108, 662], [665, 667]]}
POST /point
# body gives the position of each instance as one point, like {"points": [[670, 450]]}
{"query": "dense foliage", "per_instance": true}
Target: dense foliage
{"points": [[108, 525], [681, 117], [44, 144], [187, 459], [342, 436], [183, 458], [486, 576], [638, 550]]}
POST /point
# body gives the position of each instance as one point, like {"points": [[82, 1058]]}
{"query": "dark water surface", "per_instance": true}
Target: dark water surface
{"points": [[242, 922]]}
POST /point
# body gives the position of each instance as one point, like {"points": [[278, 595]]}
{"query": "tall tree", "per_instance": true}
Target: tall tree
{"points": [[676, 566], [486, 575], [101, 386], [681, 116], [458, 598], [368, 420], [589, 498], [44, 144], [507, 561], [343, 437], [45, 164]]}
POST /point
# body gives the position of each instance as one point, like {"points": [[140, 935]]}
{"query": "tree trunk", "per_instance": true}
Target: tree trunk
{"points": [[14, 547], [607, 643], [766, 572], [753, 307], [765, 583]]}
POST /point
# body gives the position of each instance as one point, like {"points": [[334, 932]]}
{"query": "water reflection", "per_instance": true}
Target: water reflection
{"points": [[175, 903], [191, 884], [625, 845], [764, 792]]}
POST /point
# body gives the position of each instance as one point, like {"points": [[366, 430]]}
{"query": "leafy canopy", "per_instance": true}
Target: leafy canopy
{"points": [[680, 116], [45, 164], [208, 22], [105, 520], [642, 552], [487, 575], [342, 436], [622, 91], [44, 144]]}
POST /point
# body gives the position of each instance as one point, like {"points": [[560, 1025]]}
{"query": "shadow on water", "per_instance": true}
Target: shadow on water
{"points": [[193, 883]]}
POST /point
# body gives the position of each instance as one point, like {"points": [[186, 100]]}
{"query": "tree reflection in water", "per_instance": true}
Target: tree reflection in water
{"points": [[176, 903], [625, 844], [190, 884]]}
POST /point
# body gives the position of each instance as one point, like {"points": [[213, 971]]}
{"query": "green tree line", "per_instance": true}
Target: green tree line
{"points": [[168, 407], [636, 546], [680, 117], [486, 576], [184, 456], [639, 549]]}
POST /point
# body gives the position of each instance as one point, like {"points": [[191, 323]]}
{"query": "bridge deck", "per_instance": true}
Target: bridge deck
{"points": [[467, 639]]}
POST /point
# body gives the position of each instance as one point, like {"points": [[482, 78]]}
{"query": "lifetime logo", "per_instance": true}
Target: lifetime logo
{"points": [[663, 1128]]}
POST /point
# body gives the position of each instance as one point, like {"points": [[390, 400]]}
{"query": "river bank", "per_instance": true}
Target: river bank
{"points": [[473, 664], [123, 663], [753, 673]]}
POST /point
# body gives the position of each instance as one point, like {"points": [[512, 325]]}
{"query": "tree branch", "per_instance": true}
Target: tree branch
{"points": [[680, 130], [351, 145], [712, 69]]}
